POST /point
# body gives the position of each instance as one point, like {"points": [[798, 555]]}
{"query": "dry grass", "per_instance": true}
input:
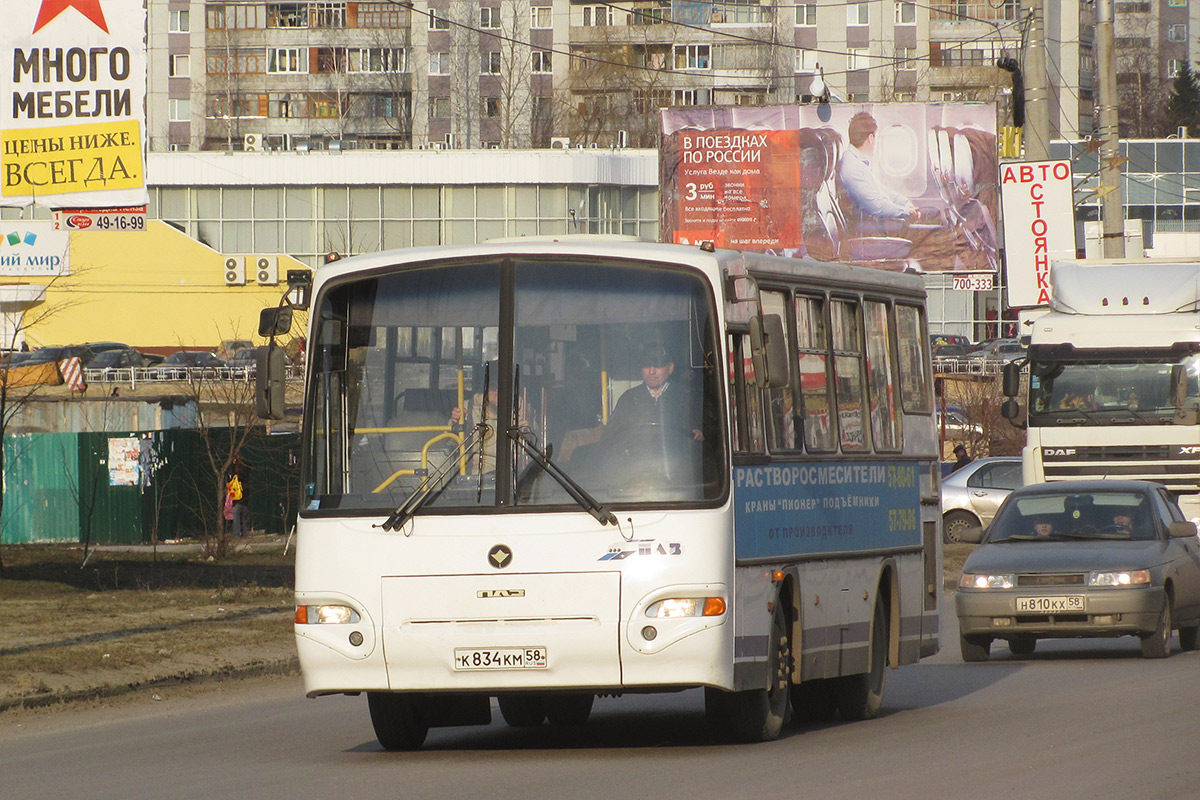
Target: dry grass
{"points": [[127, 620]]}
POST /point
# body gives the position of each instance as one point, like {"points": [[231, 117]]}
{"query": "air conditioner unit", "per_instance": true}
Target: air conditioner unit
{"points": [[252, 142], [560, 142], [266, 270], [622, 138], [235, 271]]}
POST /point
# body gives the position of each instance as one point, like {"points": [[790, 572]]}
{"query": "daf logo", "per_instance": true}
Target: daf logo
{"points": [[485, 593], [1188, 450], [1058, 451], [500, 556]]}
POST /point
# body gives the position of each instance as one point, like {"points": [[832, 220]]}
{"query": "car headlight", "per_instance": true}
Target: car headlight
{"points": [[971, 580], [1128, 577], [326, 615], [687, 607]]}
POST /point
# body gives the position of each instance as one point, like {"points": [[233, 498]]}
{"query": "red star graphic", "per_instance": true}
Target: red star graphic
{"points": [[52, 8]]}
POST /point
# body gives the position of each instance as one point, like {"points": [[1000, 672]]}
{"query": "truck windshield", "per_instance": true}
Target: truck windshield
{"points": [[1148, 391], [608, 370]]}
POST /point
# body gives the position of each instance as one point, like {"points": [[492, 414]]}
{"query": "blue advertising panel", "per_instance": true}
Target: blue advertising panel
{"points": [[804, 509]]}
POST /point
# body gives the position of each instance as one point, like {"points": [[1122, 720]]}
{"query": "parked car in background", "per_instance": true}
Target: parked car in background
{"points": [[1081, 559], [183, 363], [971, 495], [44, 355], [122, 358], [999, 351]]}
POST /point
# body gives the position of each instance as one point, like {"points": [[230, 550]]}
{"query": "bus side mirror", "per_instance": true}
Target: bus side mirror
{"points": [[269, 382], [1012, 378], [274, 321], [768, 350]]}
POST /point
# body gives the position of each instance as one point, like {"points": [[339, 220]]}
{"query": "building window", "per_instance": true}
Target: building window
{"points": [[1177, 32], [806, 15], [1177, 3], [858, 14], [179, 110], [491, 106], [438, 21], [380, 15], [378, 59], [287, 59], [439, 108], [489, 17], [856, 58], [597, 16], [691, 97], [906, 13], [691, 56], [489, 63], [1175, 66], [287, 15], [541, 17], [181, 22], [329, 15], [906, 58], [541, 61], [439, 63], [181, 66], [806, 61]]}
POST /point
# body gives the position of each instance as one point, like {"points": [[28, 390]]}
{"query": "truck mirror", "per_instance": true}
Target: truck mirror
{"points": [[768, 350], [1010, 409], [1012, 379], [269, 382]]}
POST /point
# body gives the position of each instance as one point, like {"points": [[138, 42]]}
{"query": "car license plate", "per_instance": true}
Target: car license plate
{"points": [[1049, 605], [500, 658]]}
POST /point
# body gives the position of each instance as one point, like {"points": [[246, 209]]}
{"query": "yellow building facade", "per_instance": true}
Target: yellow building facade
{"points": [[156, 288]]}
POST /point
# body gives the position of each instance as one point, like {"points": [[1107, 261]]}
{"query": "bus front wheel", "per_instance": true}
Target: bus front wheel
{"points": [[399, 719]]}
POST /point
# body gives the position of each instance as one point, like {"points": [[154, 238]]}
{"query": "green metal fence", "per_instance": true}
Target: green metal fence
{"points": [[135, 487]]}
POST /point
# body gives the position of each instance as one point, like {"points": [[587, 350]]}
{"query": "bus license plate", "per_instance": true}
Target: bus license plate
{"points": [[1049, 605], [500, 658]]}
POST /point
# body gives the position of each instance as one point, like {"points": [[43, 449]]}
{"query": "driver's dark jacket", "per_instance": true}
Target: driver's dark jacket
{"points": [[674, 409]]}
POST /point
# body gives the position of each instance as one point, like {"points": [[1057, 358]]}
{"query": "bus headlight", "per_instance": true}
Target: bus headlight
{"points": [[326, 615], [687, 607], [1131, 577]]}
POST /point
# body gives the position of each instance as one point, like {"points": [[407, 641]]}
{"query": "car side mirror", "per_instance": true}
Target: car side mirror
{"points": [[1181, 530], [971, 535]]}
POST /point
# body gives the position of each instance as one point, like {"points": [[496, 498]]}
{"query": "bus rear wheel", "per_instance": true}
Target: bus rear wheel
{"points": [[757, 715], [861, 696], [399, 720]]}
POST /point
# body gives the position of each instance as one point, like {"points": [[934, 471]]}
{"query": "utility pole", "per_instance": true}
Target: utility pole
{"points": [[1037, 91], [1112, 199]]}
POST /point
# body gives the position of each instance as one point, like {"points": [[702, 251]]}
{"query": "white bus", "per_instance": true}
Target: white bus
{"points": [[541, 471]]}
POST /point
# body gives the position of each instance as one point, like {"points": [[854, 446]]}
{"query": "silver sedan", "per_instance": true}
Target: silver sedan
{"points": [[971, 495], [1081, 559]]}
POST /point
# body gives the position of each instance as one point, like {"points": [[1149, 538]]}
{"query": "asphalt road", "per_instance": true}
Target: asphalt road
{"points": [[1079, 719]]}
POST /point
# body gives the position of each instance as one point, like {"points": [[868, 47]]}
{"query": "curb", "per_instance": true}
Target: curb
{"points": [[254, 669]]}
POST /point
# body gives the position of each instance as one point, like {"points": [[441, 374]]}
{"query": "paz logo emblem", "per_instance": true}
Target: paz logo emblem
{"points": [[500, 556]]}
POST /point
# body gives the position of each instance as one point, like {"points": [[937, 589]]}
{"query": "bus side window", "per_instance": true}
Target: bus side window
{"points": [[848, 375], [746, 405], [812, 360], [781, 406]]}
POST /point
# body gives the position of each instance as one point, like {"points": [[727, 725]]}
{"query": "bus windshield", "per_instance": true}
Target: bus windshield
{"points": [[1143, 391], [429, 381]]}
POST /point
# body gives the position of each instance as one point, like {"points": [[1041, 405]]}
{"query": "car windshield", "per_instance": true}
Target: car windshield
{"points": [[1074, 516]]}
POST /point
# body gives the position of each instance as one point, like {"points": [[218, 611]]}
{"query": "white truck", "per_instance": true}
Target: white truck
{"points": [[1112, 371]]}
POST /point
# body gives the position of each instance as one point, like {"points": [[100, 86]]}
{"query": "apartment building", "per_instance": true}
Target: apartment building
{"points": [[382, 74]]}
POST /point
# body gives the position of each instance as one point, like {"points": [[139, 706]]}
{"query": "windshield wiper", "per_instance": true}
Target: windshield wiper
{"points": [[577, 492], [434, 482]]}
